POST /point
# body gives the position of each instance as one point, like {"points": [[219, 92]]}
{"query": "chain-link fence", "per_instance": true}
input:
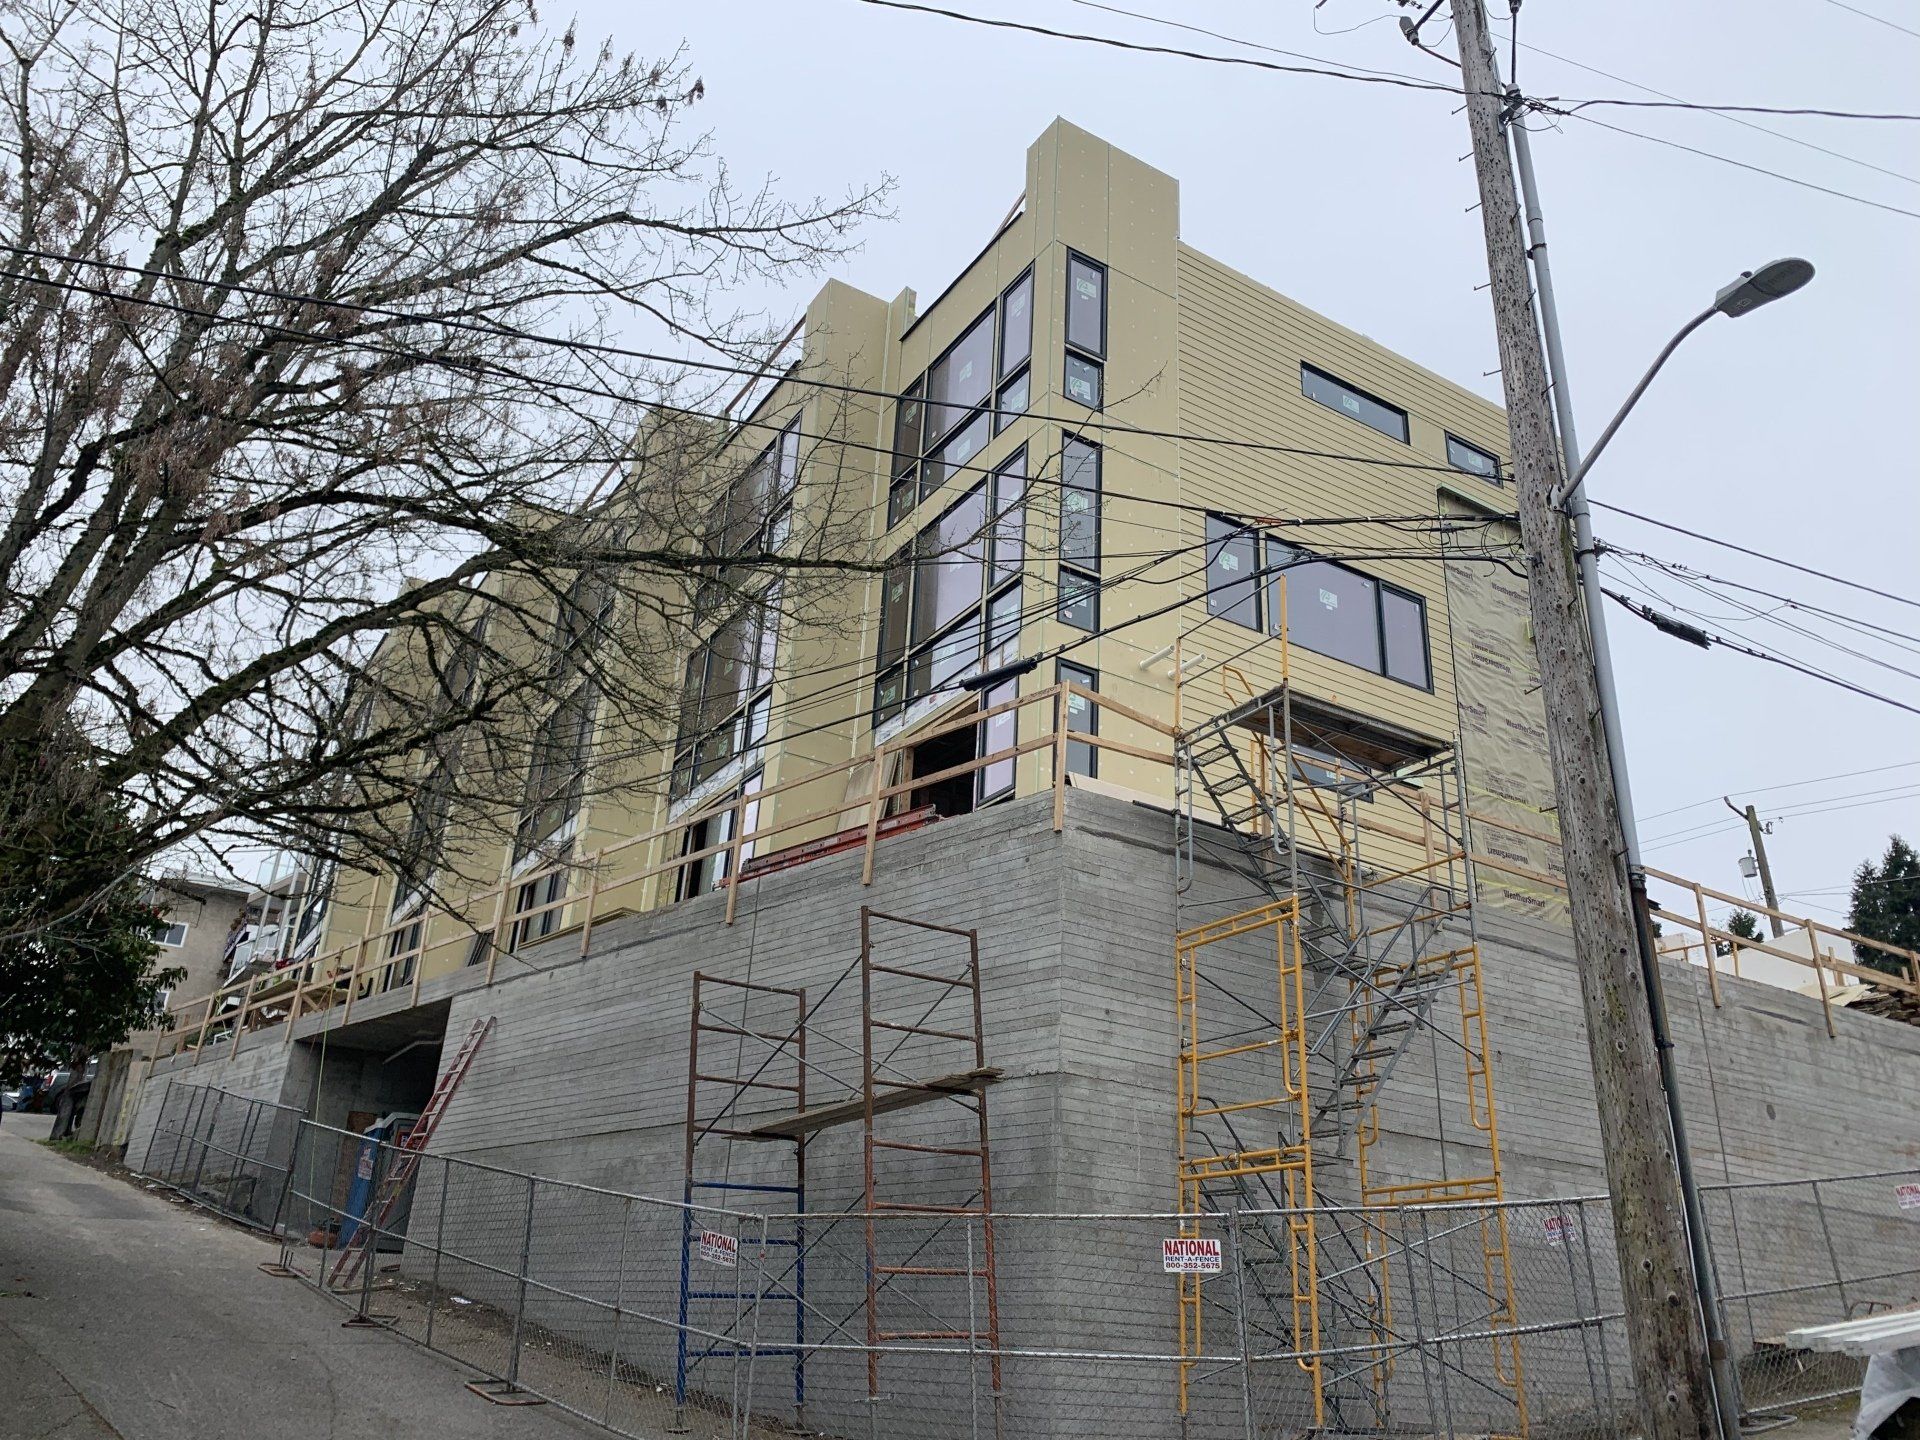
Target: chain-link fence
{"points": [[1795, 1253], [231, 1153], [654, 1317]]}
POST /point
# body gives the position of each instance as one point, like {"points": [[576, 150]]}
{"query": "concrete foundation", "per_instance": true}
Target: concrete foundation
{"points": [[584, 1080]]}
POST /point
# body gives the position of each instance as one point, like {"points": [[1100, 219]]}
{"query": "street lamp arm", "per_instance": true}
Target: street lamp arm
{"points": [[1566, 487]]}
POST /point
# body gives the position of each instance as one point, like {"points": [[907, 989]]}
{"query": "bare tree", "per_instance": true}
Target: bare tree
{"points": [[307, 316]]}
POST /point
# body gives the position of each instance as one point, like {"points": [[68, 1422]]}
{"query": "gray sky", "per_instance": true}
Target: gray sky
{"points": [[1787, 431]]}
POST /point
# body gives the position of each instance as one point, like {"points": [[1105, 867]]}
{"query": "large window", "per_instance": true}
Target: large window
{"points": [[1356, 404], [708, 872], [951, 599], [726, 700], [755, 513], [557, 772], [1086, 331], [170, 933], [1233, 555], [1079, 534], [1472, 459], [944, 419], [1335, 611]]}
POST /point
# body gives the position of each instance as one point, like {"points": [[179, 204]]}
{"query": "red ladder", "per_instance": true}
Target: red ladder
{"points": [[394, 1186]]}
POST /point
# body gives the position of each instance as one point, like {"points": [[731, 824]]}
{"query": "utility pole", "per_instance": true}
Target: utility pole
{"points": [[1664, 1335], [1755, 829]]}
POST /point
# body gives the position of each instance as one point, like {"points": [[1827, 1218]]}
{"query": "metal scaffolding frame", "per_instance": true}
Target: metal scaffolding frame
{"points": [[915, 1010], [1355, 833], [784, 1053]]}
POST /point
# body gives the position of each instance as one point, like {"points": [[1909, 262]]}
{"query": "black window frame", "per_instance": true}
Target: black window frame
{"points": [[1307, 368], [706, 742], [1498, 475], [913, 478], [1274, 569], [1091, 358], [1253, 581], [557, 769], [904, 661], [1081, 574], [1079, 753]]}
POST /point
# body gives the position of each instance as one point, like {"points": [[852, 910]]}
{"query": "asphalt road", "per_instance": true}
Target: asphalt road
{"points": [[125, 1315]]}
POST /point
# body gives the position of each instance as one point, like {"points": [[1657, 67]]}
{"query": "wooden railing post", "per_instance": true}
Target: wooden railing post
{"points": [[1060, 758], [499, 913], [733, 854], [1826, 1000], [876, 802], [240, 1016], [1706, 939]]}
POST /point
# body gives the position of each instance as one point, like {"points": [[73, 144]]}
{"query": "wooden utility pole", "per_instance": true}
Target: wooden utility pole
{"points": [[1759, 834], [1664, 1335]]}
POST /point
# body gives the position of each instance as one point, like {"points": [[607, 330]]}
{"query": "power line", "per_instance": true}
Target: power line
{"points": [[1756, 554], [1730, 119], [1680, 571], [1784, 785], [1393, 78], [498, 331], [1704, 639], [1877, 19], [1744, 165]]}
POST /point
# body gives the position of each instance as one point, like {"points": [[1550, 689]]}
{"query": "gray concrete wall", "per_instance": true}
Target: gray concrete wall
{"points": [[584, 1080]]}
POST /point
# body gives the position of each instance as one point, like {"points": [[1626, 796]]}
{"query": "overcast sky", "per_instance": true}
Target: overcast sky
{"points": [[1787, 431]]}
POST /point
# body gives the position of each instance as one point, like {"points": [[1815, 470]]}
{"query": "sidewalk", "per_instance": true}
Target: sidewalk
{"points": [[125, 1315]]}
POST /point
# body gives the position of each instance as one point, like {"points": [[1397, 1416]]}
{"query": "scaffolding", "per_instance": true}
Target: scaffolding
{"points": [[1360, 963], [925, 1291]]}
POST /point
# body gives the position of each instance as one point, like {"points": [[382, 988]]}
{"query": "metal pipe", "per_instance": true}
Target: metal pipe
{"points": [[1572, 491]]}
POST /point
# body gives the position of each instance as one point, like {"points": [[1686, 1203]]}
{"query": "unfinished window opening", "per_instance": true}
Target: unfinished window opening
{"points": [[954, 795]]}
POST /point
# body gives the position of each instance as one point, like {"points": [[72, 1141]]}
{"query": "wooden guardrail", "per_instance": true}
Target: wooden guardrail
{"points": [[375, 964]]}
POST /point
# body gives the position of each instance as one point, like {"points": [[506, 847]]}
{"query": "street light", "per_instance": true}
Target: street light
{"points": [[1743, 296], [1753, 289]]}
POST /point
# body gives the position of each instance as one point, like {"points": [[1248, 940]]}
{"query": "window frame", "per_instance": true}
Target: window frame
{"points": [[558, 783], [910, 658], [1405, 437], [697, 753], [1255, 577], [1381, 588], [1077, 569], [1499, 474], [164, 928], [1088, 678], [1092, 357]]}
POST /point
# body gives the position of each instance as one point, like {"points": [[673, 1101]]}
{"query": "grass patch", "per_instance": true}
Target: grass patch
{"points": [[76, 1148]]}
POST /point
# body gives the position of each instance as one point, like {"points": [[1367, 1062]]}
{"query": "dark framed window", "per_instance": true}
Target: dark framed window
{"points": [[959, 380], [1340, 613], [997, 733], [557, 770], [1471, 458], [1079, 534], [1083, 718], [1016, 325], [1355, 404], [1082, 379], [710, 872], [1233, 590], [530, 896], [978, 386], [1086, 305], [950, 601], [726, 699]]}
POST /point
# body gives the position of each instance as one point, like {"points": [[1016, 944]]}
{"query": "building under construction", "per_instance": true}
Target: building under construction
{"points": [[1182, 1038]]}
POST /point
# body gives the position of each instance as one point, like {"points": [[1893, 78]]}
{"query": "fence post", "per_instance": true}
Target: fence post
{"points": [[286, 1177], [1593, 1289], [743, 1413], [206, 1141], [439, 1244], [973, 1339], [520, 1304], [1240, 1325], [367, 1236], [1833, 1258], [619, 1294]]}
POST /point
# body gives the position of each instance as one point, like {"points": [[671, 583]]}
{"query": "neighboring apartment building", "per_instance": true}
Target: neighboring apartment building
{"points": [[1067, 450], [200, 915]]}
